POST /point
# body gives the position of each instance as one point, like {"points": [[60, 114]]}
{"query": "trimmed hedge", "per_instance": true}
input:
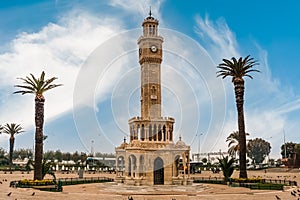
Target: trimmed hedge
{"points": [[56, 185], [247, 180], [210, 180], [263, 186], [75, 181], [252, 183]]}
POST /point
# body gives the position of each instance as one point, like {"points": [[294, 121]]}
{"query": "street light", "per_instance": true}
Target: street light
{"points": [[92, 147], [199, 146], [284, 143]]}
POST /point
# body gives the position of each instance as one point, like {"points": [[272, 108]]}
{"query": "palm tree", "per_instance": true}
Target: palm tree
{"points": [[46, 168], [37, 86], [233, 144], [12, 129], [237, 69], [227, 167]]}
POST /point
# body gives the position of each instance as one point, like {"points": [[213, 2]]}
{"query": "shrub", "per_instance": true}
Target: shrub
{"points": [[30, 183]]}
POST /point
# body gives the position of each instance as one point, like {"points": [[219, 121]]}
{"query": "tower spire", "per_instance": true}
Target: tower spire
{"points": [[150, 13]]}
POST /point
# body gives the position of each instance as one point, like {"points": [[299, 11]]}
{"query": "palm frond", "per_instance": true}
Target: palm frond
{"points": [[47, 82], [237, 68], [28, 87], [12, 129], [33, 78], [38, 86], [51, 87]]}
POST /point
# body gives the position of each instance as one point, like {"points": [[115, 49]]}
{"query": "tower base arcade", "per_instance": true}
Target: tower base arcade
{"points": [[153, 163]]}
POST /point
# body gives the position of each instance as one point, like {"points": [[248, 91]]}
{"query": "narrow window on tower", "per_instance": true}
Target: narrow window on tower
{"points": [[153, 93], [151, 30], [142, 94], [164, 133], [159, 133], [143, 133], [155, 133], [150, 132]]}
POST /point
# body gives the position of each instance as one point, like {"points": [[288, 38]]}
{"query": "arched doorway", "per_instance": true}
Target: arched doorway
{"points": [[158, 171]]}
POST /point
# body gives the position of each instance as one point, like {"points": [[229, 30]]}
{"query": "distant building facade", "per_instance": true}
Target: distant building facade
{"points": [[212, 157]]}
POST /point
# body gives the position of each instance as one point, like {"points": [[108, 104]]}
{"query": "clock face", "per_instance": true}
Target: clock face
{"points": [[153, 48]]}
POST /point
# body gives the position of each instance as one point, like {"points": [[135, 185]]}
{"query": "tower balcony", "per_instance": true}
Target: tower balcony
{"points": [[151, 130]]}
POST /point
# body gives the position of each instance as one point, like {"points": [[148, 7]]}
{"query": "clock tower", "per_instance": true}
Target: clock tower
{"points": [[150, 58], [151, 157]]}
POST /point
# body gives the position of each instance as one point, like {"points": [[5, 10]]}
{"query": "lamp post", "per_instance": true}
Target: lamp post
{"points": [[92, 148], [199, 142], [284, 143]]}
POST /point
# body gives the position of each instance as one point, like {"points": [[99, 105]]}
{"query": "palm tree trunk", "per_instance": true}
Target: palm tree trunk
{"points": [[39, 123], [239, 97], [11, 151]]}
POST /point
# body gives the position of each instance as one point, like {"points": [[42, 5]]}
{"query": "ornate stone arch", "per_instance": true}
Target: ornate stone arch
{"points": [[142, 165], [158, 172], [131, 167]]}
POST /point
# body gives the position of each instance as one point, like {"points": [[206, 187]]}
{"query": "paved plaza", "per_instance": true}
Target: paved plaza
{"points": [[115, 191]]}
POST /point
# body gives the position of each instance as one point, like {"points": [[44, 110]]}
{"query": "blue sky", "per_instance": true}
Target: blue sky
{"points": [[63, 37]]}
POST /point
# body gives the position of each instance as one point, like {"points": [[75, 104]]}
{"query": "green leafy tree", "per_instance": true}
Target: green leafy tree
{"points": [[12, 130], [49, 155], [76, 156], [290, 148], [292, 152], [233, 144], [22, 153], [204, 160], [297, 149], [258, 149], [37, 86], [272, 161], [237, 69], [226, 164], [67, 156], [3, 159], [58, 155]]}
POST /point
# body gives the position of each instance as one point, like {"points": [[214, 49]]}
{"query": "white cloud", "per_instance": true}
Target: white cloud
{"points": [[217, 38], [142, 7], [59, 49]]}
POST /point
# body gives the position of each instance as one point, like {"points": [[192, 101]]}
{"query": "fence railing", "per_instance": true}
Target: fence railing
{"points": [[75, 181], [264, 181], [278, 181]]}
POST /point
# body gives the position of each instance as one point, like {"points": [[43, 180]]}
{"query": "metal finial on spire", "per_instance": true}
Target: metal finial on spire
{"points": [[124, 139], [150, 13]]}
